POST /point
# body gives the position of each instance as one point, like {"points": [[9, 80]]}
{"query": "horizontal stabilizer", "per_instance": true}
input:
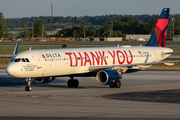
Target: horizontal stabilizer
{"points": [[169, 64], [172, 52], [138, 65]]}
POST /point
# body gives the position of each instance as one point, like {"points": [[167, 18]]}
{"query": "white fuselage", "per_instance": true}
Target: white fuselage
{"points": [[59, 62]]}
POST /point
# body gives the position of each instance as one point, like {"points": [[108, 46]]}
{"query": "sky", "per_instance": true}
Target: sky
{"points": [[29, 8]]}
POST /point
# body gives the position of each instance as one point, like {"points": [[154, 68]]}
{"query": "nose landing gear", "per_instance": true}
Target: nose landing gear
{"points": [[28, 87]]}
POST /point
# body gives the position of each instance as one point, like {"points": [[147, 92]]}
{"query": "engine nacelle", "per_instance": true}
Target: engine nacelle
{"points": [[107, 77], [43, 80]]}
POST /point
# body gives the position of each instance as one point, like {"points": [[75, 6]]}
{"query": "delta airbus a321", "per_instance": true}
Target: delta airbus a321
{"points": [[106, 63]]}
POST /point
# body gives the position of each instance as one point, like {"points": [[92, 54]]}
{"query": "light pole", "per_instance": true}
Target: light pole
{"points": [[84, 32], [32, 31], [111, 29], [173, 29]]}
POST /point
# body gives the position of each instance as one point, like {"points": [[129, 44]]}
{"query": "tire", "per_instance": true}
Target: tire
{"points": [[111, 86], [118, 84], [28, 88], [70, 83], [75, 83]]}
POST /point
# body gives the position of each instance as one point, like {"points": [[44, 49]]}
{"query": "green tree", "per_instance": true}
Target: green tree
{"points": [[6, 34], [10, 36], [39, 28], [3, 26], [21, 34], [122, 27], [48, 28], [176, 26], [26, 31], [118, 33]]}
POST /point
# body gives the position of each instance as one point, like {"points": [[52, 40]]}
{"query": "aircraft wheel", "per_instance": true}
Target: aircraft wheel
{"points": [[111, 85], [118, 84], [75, 83], [70, 83], [28, 88]]}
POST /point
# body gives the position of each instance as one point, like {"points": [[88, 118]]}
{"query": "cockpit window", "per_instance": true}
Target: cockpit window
{"points": [[17, 60], [27, 60], [21, 60]]}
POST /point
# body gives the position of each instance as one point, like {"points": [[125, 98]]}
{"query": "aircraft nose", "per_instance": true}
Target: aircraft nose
{"points": [[11, 70]]}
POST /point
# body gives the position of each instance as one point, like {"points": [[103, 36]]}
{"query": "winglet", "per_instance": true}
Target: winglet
{"points": [[158, 37], [16, 49]]}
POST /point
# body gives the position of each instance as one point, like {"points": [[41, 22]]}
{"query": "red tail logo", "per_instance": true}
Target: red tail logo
{"points": [[161, 31], [158, 37]]}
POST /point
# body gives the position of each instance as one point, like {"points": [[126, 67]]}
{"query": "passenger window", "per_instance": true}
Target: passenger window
{"points": [[27, 60]]}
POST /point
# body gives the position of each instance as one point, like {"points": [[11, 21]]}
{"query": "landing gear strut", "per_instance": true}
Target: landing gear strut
{"points": [[115, 85], [28, 87], [73, 83]]}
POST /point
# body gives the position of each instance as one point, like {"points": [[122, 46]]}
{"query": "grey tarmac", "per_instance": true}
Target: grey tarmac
{"points": [[55, 99]]}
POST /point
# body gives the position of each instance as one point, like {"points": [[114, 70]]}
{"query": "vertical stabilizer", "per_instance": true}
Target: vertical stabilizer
{"points": [[158, 37]]}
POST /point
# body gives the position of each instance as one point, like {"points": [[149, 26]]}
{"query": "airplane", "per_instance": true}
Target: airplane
{"points": [[107, 64]]}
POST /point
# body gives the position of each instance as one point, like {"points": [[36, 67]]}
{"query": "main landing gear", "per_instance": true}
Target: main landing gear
{"points": [[73, 83], [28, 87], [115, 85], [118, 83]]}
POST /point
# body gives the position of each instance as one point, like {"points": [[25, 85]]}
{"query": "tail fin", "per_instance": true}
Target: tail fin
{"points": [[158, 37]]}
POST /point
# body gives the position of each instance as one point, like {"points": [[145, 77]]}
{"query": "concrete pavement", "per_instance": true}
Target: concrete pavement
{"points": [[57, 100]]}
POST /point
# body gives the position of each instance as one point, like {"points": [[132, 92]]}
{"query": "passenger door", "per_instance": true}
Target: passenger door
{"points": [[38, 60]]}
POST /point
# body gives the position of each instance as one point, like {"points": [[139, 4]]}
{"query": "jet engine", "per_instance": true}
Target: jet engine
{"points": [[44, 80], [108, 77]]}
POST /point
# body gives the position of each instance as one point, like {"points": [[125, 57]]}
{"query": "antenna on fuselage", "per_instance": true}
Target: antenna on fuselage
{"points": [[30, 49], [118, 45]]}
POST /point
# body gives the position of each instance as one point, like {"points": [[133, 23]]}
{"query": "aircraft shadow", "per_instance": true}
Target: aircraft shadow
{"points": [[16, 82]]}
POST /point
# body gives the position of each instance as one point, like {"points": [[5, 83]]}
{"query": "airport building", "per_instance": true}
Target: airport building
{"points": [[135, 37], [108, 39]]}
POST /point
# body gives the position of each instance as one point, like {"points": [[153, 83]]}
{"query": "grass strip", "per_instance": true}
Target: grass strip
{"points": [[9, 50], [86, 43]]}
